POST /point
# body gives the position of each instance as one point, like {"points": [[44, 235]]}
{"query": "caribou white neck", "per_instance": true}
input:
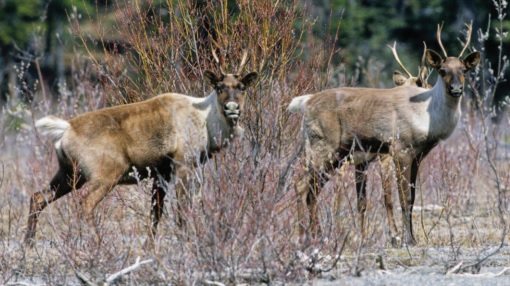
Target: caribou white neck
{"points": [[219, 130], [444, 110], [443, 102]]}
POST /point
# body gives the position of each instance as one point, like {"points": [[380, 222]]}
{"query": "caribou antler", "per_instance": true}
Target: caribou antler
{"points": [[216, 58], [423, 72], [468, 37], [395, 55], [243, 62], [438, 36], [424, 56]]}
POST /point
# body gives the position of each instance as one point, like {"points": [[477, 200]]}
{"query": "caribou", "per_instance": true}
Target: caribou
{"points": [[162, 137], [357, 125], [420, 80], [386, 162]]}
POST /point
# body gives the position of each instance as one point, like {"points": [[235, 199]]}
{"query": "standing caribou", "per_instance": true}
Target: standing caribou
{"points": [[386, 161], [161, 137], [358, 124], [420, 80]]}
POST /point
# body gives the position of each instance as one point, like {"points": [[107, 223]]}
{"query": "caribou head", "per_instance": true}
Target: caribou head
{"points": [[399, 79], [452, 69], [230, 88]]}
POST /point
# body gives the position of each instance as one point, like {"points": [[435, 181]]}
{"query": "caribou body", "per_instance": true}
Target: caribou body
{"points": [[162, 137], [358, 124]]}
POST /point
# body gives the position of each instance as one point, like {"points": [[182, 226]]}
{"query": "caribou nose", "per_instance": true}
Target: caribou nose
{"points": [[456, 89], [231, 106]]}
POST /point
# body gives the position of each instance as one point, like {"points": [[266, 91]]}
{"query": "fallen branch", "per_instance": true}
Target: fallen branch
{"points": [[455, 269], [486, 275], [215, 283], [317, 263], [84, 279], [126, 270], [22, 284], [112, 278]]}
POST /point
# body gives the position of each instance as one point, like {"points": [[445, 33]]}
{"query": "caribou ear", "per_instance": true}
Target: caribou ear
{"points": [[398, 78], [249, 79], [424, 71], [472, 60], [422, 77], [433, 59], [211, 77]]}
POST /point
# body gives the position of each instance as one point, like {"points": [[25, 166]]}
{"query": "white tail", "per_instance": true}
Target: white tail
{"points": [[52, 126], [298, 103]]}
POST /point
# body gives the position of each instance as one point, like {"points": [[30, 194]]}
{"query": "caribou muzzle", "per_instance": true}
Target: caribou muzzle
{"points": [[456, 90], [232, 110]]}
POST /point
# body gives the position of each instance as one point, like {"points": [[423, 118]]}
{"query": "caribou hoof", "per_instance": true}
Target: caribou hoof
{"points": [[396, 242], [410, 242]]}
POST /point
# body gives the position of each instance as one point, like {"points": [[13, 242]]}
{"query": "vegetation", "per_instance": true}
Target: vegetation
{"points": [[67, 57]]}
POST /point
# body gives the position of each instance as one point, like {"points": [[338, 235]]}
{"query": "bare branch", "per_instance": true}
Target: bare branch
{"points": [[126, 270], [455, 269], [84, 279], [21, 283], [487, 274], [215, 283]]}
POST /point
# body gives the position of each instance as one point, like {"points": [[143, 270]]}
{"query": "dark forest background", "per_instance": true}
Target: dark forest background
{"points": [[39, 34]]}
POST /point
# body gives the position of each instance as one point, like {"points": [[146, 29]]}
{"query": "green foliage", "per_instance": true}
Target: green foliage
{"points": [[18, 20], [367, 26]]}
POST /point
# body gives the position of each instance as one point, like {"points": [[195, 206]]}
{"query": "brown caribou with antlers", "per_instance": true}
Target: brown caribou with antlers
{"points": [[358, 124], [162, 137]]}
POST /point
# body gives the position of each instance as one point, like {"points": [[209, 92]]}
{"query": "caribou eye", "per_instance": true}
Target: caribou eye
{"points": [[442, 71], [241, 86]]}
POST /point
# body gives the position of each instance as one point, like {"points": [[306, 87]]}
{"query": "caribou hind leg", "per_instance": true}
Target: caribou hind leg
{"points": [[387, 172], [361, 191], [321, 160], [62, 183], [162, 176]]}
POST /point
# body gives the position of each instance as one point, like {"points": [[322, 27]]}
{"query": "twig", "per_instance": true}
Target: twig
{"points": [[2, 175], [126, 270], [84, 279], [455, 269], [112, 278], [283, 176], [488, 274], [315, 263], [215, 283], [41, 79], [22, 283]]}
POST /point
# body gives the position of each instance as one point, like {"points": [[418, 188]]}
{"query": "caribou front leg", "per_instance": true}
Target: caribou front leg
{"points": [[403, 168]]}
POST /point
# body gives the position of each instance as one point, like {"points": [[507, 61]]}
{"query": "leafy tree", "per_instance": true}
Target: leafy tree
{"points": [[17, 21], [21, 22]]}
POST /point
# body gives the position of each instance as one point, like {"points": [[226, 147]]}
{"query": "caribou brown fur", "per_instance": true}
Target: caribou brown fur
{"points": [[162, 137], [358, 124]]}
